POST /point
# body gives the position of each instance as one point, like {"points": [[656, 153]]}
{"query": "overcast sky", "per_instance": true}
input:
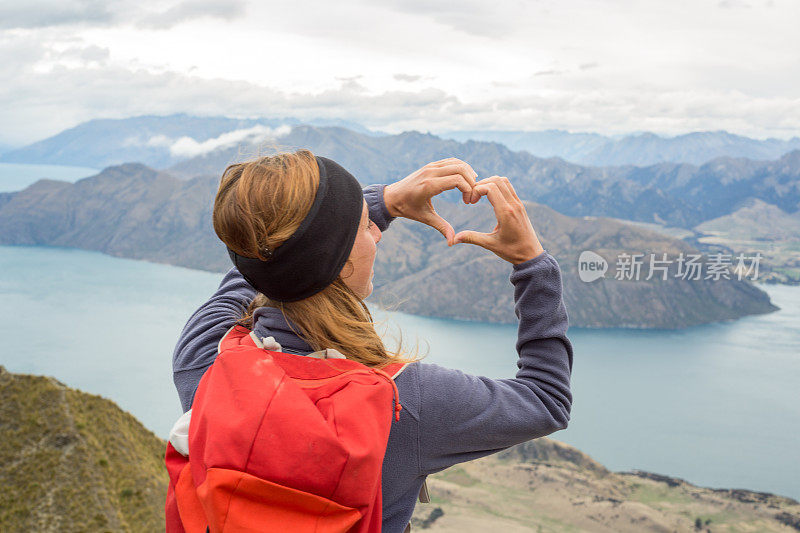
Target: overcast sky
{"points": [[611, 66]]}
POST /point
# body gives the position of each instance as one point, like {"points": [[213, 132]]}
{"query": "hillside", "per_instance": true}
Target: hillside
{"points": [[755, 220], [71, 461], [136, 212], [759, 227], [128, 211], [544, 485], [417, 273]]}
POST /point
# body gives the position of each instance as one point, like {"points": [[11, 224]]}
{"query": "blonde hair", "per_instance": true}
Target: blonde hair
{"points": [[260, 204]]}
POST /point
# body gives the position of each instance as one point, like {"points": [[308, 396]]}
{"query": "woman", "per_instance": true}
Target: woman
{"points": [[448, 416]]}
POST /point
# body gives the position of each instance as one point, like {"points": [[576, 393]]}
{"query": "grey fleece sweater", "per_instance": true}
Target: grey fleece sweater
{"points": [[448, 416]]}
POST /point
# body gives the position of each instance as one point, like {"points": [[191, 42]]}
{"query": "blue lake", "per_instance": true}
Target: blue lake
{"points": [[17, 176], [717, 405]]}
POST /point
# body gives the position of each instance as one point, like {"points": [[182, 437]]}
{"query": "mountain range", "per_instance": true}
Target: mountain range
{"points": [[642, 149], [160, 141], [674, 194], [137, 212], [72, 461], [680, 195]]}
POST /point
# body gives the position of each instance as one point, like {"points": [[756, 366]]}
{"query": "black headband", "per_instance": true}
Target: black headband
{"points": [[315, 254]]}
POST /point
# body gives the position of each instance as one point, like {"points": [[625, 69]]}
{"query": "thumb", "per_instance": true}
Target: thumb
{"points": [[472, 237], [442, 226]]}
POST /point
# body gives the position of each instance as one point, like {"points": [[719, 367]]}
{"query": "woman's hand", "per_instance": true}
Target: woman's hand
{"points": [[513, 238], [411, 197]]}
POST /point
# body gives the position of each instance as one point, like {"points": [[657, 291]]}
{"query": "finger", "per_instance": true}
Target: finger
{"points": [[502, 208], [513, 192], [475, 196], [454, 181], [456, 168], [510, 188], [441, 161], [453, 166], [473, 237], [504, 185], [441, 225], [459, 168], [445, 161]]}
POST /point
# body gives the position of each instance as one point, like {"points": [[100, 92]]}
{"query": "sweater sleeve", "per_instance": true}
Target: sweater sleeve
{"points": [[464, 417], [197, 345], [196, 348], [378, 212]]}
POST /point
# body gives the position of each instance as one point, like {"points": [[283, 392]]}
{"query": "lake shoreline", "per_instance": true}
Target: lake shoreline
{"points": [[383, 307], [97, 307]]}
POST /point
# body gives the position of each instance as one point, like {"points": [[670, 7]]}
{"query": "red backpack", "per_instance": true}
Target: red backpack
{"points": [[281, 442]]}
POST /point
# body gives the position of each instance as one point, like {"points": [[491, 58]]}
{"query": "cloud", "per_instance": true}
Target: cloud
{"points": [[351, 84], [105, 13], [474, 17], [189, 147], [44, 13], [191, 10], [406, 67], [85, 54], [18, 54], [407, 77], [41, 103], [734, 4]]}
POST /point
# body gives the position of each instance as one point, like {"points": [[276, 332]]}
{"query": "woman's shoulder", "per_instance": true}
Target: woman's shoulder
{"points": [[407, 382], [419, 373], [421, 382], [432, 372]]}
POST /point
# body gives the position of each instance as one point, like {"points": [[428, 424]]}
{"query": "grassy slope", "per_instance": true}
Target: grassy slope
{"points": [[71, 461], [545, 485], [75, 461]]}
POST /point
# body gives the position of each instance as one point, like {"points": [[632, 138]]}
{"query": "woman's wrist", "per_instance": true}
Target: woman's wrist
{"points": [[376, 204], [390, 200], [534, 252]]}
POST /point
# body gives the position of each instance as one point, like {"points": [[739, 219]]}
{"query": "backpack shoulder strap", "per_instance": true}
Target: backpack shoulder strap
{"points": [[395, 369], [236, 336], [241, 336]]}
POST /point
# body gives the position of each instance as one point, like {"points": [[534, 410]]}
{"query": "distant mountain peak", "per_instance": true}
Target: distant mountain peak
{"points": [[792, 157]]}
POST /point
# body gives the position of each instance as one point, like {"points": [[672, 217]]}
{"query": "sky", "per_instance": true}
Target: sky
{"points": [[606, 66]]}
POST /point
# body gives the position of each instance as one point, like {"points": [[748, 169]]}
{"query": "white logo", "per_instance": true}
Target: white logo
{"points": [[591, 266]]}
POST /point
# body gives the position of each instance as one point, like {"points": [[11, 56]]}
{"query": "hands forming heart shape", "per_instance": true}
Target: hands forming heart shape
{"points": [[513, 238]]}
